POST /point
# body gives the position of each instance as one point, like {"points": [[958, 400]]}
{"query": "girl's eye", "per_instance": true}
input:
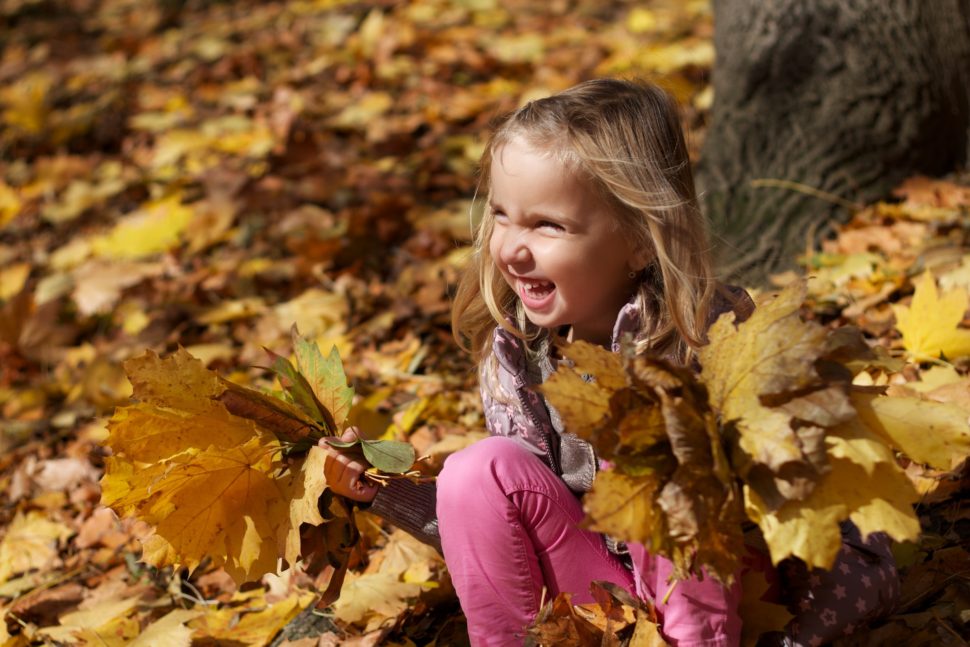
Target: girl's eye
{"points": [[548, 224]]}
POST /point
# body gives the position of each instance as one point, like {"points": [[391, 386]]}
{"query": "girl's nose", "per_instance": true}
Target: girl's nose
{"points": [[515, 249]]}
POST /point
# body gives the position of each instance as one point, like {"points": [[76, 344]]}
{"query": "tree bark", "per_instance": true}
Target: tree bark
{"points": [[842, 97]]}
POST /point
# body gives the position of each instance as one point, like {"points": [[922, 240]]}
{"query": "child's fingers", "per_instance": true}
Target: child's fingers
{"points": [[335, 467], [350, 434], [343, 475]]}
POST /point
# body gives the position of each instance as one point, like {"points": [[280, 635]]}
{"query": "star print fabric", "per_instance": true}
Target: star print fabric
{"points": [[861, 586]]}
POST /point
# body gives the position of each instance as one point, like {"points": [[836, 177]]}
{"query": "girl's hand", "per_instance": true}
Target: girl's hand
{"points": [[343, 469]]}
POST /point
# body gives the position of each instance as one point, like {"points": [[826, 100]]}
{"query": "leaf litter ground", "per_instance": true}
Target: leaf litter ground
{"points": [[207, 175]]}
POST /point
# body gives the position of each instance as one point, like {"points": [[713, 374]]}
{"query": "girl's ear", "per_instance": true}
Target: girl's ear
{"points": [[641, 257]]}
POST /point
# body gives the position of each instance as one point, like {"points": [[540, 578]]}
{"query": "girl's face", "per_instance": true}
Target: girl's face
{"points": [[557, 244]]}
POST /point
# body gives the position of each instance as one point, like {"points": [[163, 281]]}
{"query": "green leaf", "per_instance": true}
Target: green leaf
{"points": [[297, 387], [390, 456], [325, 377]]}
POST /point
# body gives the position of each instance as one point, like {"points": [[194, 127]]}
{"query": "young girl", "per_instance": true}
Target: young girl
{"points": [[591, 231]]}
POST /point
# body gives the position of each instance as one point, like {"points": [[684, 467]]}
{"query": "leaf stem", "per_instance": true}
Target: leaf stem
{"points": [[670, 591]]}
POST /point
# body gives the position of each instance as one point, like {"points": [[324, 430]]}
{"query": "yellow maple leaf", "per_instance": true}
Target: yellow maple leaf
{"points": [[583, 404], [30, 543], [935, 433], [624, 506], [587, 391], [641, 427], [308, 486], [854, 441], [929, 324], [605, 368], [148, 433], [809, 529], [223, 502], [647, 633], [177, 410], [770, 355], [210, 483]]}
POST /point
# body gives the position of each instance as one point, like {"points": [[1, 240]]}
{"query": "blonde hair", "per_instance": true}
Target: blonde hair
{"points": [[625, 139]]}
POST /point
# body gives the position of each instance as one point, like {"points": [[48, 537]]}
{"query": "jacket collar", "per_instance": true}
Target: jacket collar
{"points": [[510, 350]]}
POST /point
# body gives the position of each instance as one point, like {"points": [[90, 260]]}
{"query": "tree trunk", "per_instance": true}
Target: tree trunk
{"points": [[845, 97]]}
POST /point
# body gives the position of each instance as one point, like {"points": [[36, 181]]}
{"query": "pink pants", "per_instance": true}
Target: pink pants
{"points": [[509, 529]]}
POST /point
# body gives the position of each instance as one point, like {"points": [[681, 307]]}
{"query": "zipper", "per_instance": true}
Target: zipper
{"points": [[536, 424]]}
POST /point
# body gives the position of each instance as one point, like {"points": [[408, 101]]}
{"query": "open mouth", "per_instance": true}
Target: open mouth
{"points": [[535, 293], [537, 289]]}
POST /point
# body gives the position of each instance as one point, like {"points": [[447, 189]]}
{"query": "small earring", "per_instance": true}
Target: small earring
{"points": [[632, 274]]}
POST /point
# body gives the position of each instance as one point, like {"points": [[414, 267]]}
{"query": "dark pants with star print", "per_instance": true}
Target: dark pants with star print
{"points": [[861, 586]]}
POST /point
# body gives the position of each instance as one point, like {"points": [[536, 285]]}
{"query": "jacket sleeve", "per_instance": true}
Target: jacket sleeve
{"points": [[411, 507]]}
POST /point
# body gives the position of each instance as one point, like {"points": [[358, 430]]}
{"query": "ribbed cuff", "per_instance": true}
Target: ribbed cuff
{"points": [[411, 507]]}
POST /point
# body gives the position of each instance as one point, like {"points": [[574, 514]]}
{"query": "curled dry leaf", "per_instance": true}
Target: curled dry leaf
{"points": [[670, 488], [762, 380]]}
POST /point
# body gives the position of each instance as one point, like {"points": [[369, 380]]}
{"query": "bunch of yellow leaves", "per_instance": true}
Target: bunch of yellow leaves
{"points": [[772, 430], [233, 474]]}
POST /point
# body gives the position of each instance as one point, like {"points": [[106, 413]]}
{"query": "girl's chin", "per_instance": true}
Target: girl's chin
{"points": [[543, 319]]}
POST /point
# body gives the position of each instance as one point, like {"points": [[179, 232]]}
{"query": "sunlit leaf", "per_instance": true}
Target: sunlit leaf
{"points": [[155, 228], [108, 622], [809, 529], [298, 389], [770, 360], [383, 595], [221, 502], [929, 323], [326, 378], [621, 505], [934, 433], [249, 618]]}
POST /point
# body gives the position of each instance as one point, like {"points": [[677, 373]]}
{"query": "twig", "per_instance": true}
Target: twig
{"points": [[383, 479], [807, 190], [946, 625], [198, 598]]}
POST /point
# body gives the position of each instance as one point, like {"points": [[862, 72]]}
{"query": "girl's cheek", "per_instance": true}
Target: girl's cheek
{"points": [[494, 246]]}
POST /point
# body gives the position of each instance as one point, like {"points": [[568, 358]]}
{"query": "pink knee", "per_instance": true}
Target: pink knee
{"points": [[479, 468]]}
